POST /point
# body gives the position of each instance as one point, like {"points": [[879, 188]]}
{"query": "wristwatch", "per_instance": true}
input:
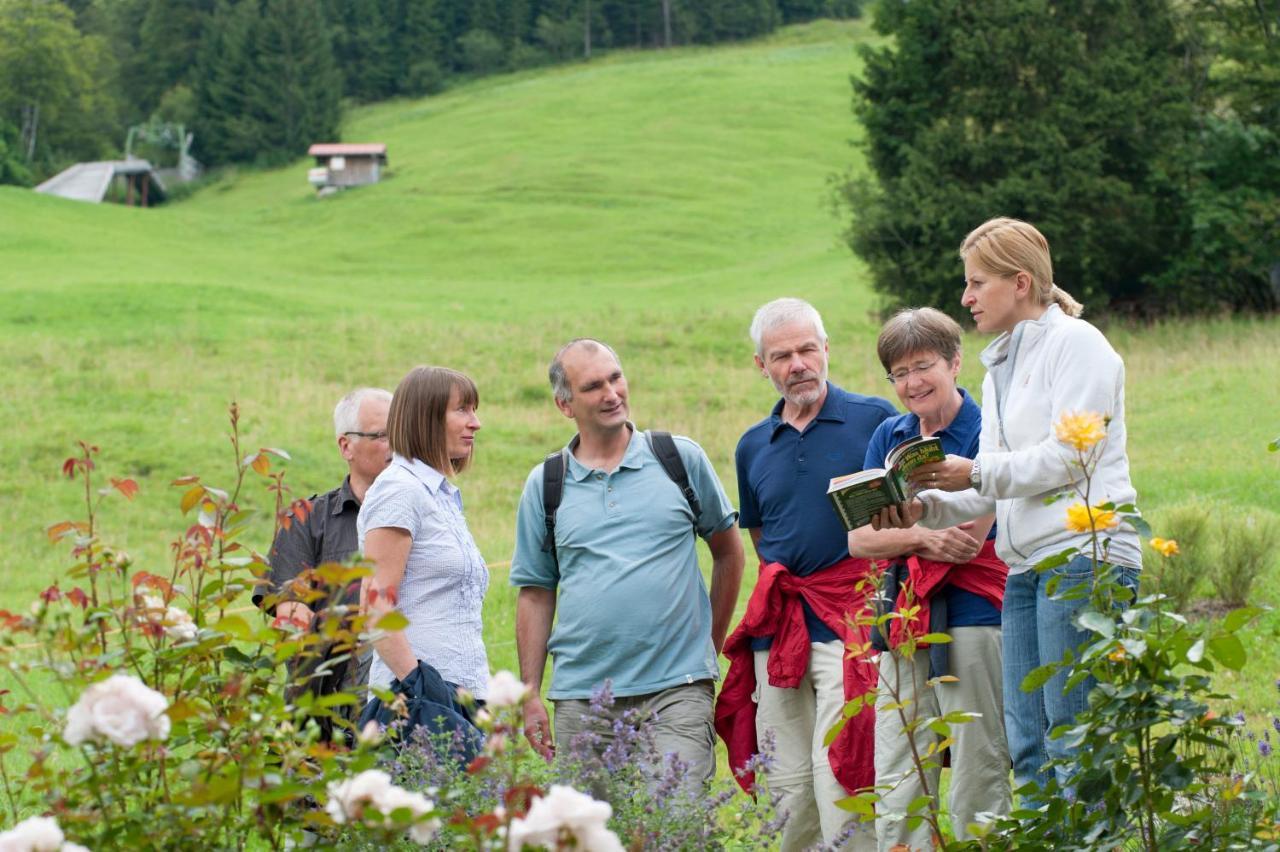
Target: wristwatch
{"points": [[975, 476]]}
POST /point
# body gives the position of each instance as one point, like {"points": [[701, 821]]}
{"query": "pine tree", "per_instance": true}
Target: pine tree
{"points": [[1074, 115], [225, 132], [294, 92]]}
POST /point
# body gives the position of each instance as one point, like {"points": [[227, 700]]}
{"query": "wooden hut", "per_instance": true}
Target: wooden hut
{"points": [[343, 164]]}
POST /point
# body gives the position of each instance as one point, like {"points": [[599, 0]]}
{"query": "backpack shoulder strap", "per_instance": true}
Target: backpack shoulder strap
{"points": [[664, 447], [553, 468]]}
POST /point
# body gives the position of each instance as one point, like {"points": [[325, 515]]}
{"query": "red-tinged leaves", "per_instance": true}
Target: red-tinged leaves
{"points": [[185, 480], [191, 498], [59, 531], [69, 468], [478, 765], [259, 462], [151, 629], [127, 487], [301, 509], [10, 620], [233, 686], [154, 581], [78, 597], [286, 522], [486, 823], [51, 594], [519, 797]]}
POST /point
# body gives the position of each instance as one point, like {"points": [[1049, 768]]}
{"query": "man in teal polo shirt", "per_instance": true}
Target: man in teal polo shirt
{"points": [[623, 577]]}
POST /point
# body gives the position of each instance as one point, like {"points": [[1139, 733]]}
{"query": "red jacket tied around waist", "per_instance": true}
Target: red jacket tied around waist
{"points": [[983, 575], [775, 610]]}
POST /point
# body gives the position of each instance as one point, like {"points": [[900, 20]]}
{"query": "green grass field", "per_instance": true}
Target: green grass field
{"points": [[651, 199]]}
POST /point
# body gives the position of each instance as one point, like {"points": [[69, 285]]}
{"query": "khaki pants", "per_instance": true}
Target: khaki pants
{"points": [[979, 755], [798, 720], [683, 725]]}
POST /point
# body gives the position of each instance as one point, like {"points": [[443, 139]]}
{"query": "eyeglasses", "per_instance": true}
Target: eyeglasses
{"points": [[376, 436], [899, 376]]}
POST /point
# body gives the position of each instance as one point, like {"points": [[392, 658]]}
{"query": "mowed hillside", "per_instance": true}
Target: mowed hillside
{"points": [[653, 199]]}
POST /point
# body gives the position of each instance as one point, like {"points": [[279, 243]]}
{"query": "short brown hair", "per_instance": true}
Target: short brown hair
{"points": [[913, 330], [416, 421]]}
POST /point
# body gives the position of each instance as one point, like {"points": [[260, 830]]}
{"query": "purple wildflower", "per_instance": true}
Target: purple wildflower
{"points": [[1275, 723], [1264, 748]]}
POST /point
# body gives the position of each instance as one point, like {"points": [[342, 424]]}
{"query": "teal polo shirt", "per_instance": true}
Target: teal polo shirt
{"points": [[632, 607]]}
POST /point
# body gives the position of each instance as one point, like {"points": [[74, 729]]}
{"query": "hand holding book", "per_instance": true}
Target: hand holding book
{"points": [[859, 497], [950, 474]]}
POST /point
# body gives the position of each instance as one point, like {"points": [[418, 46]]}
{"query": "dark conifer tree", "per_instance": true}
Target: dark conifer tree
{"points": [[1075, 115], [294, 92]]}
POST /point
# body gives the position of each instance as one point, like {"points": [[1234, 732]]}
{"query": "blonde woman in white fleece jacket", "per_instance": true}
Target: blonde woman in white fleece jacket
{"points": [[1045, 362]]}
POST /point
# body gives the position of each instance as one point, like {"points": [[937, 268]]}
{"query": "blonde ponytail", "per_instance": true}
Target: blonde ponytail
{"points": [[1064, 300]]}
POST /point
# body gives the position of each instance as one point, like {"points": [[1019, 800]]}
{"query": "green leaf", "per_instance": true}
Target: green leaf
{"points": [[854, 705], [1228, 650], [235, 626], [831, 735], [935, 638], [1038, 677], [1274, 446], [860, 804], [1196, 652], [1100, 623], [1057, 559], [1238, 618], [392, 621]]}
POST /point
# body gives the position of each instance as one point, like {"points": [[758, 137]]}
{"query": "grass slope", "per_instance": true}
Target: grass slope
{"points": [[652, 199]]}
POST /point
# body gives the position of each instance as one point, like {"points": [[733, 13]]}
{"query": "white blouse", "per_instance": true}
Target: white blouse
{"points": [[445, 578]]}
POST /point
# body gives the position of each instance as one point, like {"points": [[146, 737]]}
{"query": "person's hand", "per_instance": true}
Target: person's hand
{"points": [[537, 728], [899, 517], [953, 544], [952, 474]]}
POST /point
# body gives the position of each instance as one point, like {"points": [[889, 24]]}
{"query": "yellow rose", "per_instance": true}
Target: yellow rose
{"points": [[1078, 518], [1080, 430], [1165, 546]]}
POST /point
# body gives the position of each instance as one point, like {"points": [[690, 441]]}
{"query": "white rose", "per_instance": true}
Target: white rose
{"points": [[37, 834], [506, 690], [354, 800], [347, 799], [564, 809], [121, 709], [178, 624]]}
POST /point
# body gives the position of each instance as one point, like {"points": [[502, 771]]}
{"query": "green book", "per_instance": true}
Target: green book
{"points": [[860, 496]]}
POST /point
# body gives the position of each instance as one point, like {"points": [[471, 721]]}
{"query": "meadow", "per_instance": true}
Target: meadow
{"points": [[650, 199]]}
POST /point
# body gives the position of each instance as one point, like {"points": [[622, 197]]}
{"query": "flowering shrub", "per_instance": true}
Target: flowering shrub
{"points": [[1151, 764], [190, 721]]}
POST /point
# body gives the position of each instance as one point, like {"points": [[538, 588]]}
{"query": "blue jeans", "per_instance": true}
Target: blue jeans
{"points": [[1037, 630]]}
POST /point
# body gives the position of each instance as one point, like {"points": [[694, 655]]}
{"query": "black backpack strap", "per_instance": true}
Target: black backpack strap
{"points": [[553, 468], [664, 447]]}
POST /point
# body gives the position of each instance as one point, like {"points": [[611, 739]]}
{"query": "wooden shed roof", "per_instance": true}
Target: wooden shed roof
{"points": [[347, 149]]}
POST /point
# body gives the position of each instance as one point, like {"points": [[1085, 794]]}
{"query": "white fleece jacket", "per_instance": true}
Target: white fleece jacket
{"points": [[1055, 364]]}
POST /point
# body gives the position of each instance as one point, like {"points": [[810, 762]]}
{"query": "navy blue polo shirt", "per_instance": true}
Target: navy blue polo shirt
{"points": [[782, 485], [960, 438]]}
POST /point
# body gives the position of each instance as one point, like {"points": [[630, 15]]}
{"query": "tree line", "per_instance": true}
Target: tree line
{"points": [[256, 80], [1142, 137]]}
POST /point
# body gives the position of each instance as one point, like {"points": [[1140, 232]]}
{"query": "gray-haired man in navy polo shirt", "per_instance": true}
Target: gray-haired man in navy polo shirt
{"points": [[815, 431]]}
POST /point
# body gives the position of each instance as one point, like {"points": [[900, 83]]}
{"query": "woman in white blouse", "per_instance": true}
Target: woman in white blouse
{"points": [[412, 528]]}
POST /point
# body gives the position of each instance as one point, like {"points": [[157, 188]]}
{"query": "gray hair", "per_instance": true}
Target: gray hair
{"points": [[782, 312], [346, 414], [555, 373]]}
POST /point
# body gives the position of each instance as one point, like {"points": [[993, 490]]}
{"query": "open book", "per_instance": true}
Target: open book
{"points": [[859, 496]]}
